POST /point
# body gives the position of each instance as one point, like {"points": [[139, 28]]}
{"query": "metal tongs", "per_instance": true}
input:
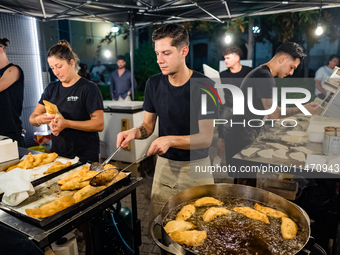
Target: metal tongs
{"points": [[95, 166], [105, 176]]}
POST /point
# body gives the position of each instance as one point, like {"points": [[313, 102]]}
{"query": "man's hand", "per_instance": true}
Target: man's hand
{"points": [[123, 138], [58, 125], [160, 146], [311, 107]]}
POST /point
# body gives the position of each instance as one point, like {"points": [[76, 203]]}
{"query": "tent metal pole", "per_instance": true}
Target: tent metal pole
{"points": [[132, 27], [211, 15], [226, 6], [43, 8], [66, 11]]}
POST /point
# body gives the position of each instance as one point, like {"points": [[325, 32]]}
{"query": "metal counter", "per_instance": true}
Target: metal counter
{"points": [[46, 235]]}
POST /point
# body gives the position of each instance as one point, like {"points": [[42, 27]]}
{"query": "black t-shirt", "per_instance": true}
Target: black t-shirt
{"points": [[179, 110], [75, 103], [236, 79], [238, 137], [11, 100]]}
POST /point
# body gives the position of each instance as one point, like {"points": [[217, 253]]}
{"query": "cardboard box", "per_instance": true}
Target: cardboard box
{"points": [[8, 150]]}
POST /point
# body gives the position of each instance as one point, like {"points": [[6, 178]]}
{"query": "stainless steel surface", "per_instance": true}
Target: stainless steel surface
{"points": [[95, 166], [50, 233], [232, 191]]}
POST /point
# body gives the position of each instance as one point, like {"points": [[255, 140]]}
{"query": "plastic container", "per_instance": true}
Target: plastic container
{"points": [[67, 245], [43, 138], [37, 148]]}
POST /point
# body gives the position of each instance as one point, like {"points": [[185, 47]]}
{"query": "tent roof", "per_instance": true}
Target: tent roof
{"points": [[148, 12]]}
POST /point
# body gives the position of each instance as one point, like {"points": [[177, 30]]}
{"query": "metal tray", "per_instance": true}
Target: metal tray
{"points": [[50, 176], [49, 192]]}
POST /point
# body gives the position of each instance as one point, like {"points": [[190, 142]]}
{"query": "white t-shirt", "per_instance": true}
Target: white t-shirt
{"points": [[98, 69], [321, 74]]}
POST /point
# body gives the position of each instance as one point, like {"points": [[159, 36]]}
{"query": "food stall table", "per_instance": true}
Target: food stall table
{"points": [[43, 236], [292, 166]]}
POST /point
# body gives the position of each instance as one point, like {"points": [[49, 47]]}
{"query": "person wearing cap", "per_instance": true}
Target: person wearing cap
{"points": [[322, 73], [120, 81]]}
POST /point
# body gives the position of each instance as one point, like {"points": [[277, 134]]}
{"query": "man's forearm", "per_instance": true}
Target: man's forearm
{"points": [[143, 132]]}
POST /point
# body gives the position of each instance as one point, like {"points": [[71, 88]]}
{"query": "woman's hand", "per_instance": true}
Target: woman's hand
{"points": [[44, 119], [58, 125]]}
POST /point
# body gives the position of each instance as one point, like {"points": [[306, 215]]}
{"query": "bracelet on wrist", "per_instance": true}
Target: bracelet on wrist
{"points": [[36, 120]]}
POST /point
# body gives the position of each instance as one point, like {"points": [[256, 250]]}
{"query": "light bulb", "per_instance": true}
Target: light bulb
{"points": [[319, 30], [228, 39], [114, 29], [107, 53]]}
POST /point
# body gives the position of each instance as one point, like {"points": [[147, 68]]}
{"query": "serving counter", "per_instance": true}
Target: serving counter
{"points": [[42, 236]]}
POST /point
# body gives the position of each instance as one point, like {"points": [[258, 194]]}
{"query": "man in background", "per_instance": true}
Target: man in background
{"points": [[287, 58], [322, 73], [97, 72], [233, 75], [120, 81]]}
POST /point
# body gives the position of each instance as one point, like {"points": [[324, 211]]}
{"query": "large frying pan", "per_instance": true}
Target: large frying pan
{"points": [[225, 191]]}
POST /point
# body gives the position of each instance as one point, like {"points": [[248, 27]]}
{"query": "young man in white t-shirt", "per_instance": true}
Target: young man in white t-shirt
{"points": [[322, 73]]}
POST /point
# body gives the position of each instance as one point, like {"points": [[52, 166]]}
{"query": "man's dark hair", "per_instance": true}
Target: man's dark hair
{"points": [[292, 49], [233, 49], [178, 33], [121, 57], [331, 57], [4, 42]]}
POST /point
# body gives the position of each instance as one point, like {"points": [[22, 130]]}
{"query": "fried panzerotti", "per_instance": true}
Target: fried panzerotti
{"points": [[108, 166], [207, 201], [57, 166], [119, 177], [213, 212], [38, 158], [89, 175], [86, 192], [193, 237], [74, 183], [50, 157], [79, 173], [178, 225], [288, 228], [269, 211], [27, 163], [186, 212], [50, 208], [105, 177], [50, 108], [251, 213]]}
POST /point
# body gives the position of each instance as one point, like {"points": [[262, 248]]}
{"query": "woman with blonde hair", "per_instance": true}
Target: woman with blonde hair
{"points": [[11, 96], [80, 103]]}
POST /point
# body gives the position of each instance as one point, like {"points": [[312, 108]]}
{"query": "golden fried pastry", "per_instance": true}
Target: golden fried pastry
{"points": [[50, 108], [108, 166], [38, 158], [12, 167], [50, 208], [50, 157], [214, 212], [74, 183], [178, 225], [57, 166], [288, 228], [186, 212], [27, 163], [89, 175], [106, 177], [191, 237], [269, 211], [251, 213], [207, 201], [118, 178], [86, 192], [79, 173]]}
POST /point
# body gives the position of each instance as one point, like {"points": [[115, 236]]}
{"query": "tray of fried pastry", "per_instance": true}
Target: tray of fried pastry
{"points": [[64, 195], [44, 166]]}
